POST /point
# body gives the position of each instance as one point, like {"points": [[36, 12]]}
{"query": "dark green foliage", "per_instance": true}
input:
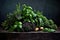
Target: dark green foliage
{"points": [[48, 30], [15, 20]]}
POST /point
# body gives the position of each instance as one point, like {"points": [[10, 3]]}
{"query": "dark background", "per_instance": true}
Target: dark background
{"points": [[50, 8]]}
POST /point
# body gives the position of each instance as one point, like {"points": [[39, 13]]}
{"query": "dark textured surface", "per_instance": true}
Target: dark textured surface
{"points": [[29, 36]]}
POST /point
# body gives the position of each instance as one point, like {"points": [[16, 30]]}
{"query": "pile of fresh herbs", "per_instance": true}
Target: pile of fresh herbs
{"points": [[26, 19]]}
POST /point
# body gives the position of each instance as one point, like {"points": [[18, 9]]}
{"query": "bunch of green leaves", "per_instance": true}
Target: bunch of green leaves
{"points": [[47, 23], [12, 17], [9, 21], [49, 30], [27, 14], [17, 25]]}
